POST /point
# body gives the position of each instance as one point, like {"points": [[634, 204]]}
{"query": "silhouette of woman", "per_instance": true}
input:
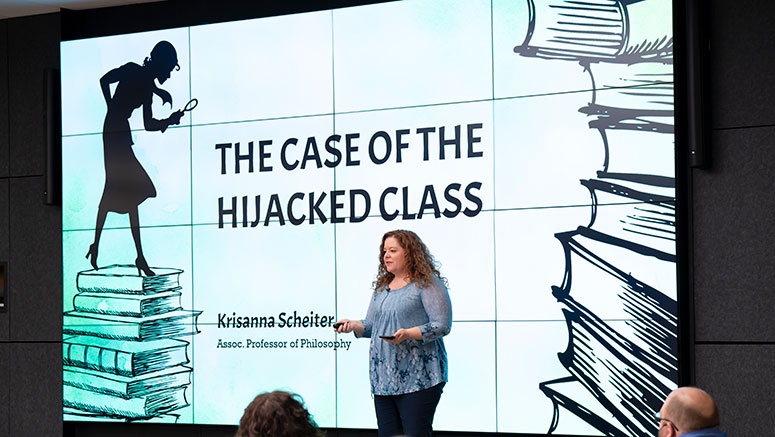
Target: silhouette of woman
{"points": [[127, 184]]}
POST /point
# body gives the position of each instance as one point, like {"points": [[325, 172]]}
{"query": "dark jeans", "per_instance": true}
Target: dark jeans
{"points": [[409, 414]]}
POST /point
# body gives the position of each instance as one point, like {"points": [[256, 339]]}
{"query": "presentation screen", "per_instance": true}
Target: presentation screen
{"points": [[226, 188]]}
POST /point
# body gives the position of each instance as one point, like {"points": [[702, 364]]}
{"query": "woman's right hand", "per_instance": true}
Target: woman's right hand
{"points": [[347, 325], [343, 326]]}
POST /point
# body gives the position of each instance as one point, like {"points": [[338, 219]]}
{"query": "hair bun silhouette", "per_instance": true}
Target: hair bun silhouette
{"points": [[164, 53]]}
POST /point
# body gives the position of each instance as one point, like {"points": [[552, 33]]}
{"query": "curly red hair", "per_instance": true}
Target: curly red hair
{"points": [[277, 414], [423, 268]]}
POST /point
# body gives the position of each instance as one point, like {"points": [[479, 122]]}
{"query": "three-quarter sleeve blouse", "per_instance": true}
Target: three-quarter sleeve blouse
{"points": [[411, 365]]}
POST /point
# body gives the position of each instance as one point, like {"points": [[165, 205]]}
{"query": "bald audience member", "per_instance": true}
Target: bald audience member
{"points": [[689, 412]]}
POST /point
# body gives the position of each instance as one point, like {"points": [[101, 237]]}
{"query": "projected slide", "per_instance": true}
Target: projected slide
{"points": [[226, 187]]}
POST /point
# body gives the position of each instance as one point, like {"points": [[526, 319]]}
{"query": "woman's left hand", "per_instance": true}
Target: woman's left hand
{"points": [[405, 334]]}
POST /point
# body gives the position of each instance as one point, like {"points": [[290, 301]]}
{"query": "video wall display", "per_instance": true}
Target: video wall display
{"points": [[226, 187]]}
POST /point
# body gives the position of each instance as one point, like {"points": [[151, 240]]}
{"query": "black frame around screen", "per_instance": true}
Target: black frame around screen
{"points": [[689, 126]]}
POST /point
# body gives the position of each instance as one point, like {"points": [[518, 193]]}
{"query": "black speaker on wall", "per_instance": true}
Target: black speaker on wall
{"points": [[697, 52], [53, 177]]}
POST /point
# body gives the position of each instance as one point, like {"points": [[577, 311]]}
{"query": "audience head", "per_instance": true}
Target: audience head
{"points": [[277, 414], [687, 409]]}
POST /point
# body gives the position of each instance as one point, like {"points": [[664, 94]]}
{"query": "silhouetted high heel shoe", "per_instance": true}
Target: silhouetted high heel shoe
{"points": [[141, 264], [92, 253]]}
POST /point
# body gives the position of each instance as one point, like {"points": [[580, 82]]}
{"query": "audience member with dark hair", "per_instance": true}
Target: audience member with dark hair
{"points": [[277, 414], [689, 412]]}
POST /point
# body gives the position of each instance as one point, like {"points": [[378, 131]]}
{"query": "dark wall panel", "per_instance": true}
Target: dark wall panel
{"points": [[740, 378], [741, 67], [35, 401], [4, 254], [35, 263], [733, 231], [5, 389], [33, 46], [4, 146]]}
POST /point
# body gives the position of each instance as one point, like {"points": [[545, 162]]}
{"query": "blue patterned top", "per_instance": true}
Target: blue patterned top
{"points": [[412, 365]]}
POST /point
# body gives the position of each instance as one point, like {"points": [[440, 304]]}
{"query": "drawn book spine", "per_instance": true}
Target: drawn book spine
{"points": [[645, 86], [136, 305], [600, 290], [640, 217], [143, 407], [651, 352], [127, 387], [172, 324], [600, 29], [123, 278], [73, 415], [617, 378], [629, 152], [123, 358]]}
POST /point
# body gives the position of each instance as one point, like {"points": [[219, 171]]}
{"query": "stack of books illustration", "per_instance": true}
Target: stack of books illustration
{"points": [[618, 292], [125, 354]]}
